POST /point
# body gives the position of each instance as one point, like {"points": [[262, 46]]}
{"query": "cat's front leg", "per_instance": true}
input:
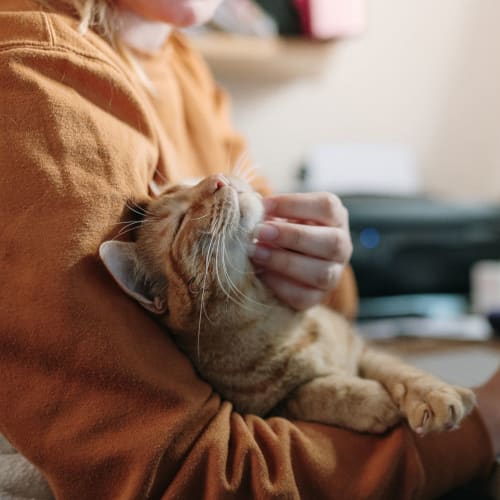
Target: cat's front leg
{"points": [[346, 401], [428, 403]]}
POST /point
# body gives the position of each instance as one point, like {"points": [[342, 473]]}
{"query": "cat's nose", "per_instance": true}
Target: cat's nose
{"points": [[215, 182]]}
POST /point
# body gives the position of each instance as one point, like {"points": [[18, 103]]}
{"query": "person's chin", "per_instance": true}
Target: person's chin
{"points": [[189, 13]]}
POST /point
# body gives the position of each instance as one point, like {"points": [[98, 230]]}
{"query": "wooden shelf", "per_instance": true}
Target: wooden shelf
{"points": [[235, 56]]}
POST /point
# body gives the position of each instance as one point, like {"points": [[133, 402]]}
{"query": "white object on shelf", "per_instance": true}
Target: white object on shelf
{"points": [[485, 286], [362, 169], [461, 327]]}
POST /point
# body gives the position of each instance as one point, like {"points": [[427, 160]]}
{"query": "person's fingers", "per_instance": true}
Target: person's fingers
{"points": [[322, 208], [294, 294], [309, 271], [332, 244]]}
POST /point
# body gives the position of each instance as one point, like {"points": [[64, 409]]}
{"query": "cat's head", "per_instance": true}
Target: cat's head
{"points": [[190, 257]]}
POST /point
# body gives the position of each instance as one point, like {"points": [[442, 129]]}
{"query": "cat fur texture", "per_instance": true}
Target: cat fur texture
{"points": [[190, 266]]}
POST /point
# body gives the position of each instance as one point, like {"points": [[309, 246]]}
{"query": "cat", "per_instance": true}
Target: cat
{"points": [[189, 265]]}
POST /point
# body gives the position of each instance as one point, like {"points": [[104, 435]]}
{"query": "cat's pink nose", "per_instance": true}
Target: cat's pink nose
{"points": [[217, 181]]}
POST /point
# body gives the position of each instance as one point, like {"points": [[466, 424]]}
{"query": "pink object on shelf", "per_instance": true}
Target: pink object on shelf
{"points": [[325, 19]]}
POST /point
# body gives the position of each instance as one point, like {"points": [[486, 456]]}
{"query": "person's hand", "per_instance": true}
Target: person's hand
{"points": [[303, 246], [488, 401]]}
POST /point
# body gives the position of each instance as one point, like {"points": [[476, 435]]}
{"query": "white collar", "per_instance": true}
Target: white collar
{"points": [[140, 33]]}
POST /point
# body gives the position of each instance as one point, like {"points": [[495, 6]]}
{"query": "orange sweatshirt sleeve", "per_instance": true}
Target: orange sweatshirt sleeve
{"points": [[92, 390]]}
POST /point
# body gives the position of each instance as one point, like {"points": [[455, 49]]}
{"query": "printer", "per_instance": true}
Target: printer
{"points": [[419, 245]]}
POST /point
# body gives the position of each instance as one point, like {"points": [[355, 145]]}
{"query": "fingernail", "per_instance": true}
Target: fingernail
{"points": [[270, 204], [261, 253], [266, 232]]}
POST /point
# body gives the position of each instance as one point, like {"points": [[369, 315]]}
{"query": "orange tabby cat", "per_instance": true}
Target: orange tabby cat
{"points": [[190, 267]]}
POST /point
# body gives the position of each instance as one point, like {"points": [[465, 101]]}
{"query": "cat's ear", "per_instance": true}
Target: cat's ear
{"points": [[120, 259]]}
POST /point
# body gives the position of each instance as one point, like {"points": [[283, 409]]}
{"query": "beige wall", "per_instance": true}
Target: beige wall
{"points": [[426, 75]]}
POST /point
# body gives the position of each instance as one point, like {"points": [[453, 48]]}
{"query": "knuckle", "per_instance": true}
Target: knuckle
{"points": [[340, 248], [323, 279], [330, 205], [343, 212], [332, 246]]}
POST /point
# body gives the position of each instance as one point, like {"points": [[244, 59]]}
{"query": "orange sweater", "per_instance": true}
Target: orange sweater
{"points": [[92, 390]]}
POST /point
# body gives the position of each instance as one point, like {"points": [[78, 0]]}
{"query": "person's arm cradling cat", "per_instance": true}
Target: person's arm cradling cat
{"points": [[303, 246], [93, 390]]}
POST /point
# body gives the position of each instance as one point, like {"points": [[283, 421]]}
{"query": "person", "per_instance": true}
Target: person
{"points": [[93, 392]]}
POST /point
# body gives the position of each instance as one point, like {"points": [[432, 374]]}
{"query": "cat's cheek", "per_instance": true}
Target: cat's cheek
{"points": [[251, 210]]}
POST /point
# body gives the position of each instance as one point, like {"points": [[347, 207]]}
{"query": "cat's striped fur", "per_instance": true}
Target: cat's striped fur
{"points": [[190, 266]]}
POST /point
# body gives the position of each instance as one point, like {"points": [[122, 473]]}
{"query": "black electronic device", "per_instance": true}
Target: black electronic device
{"points": [[418, 245]]}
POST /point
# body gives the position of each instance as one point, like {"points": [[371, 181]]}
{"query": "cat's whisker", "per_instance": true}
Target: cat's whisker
{"points": [[201, 217], [127, 229], [250, 172], [219, 281], [235, 298], [131, 226], [202, 299], [226, 293], [236, 171], [236, 269], [238, 291], [128, 222], [251, 177], [239, 164], [218, 238], [242, 245], [232, 286], [138, 206], [138, 210], [139, 222], [128, 225], [244, 163], [233, 170], [122, 232], [161, 176]]}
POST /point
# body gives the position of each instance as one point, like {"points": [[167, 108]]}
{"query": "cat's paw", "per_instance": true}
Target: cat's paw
{"points": [[376, 413], [431, 405]]}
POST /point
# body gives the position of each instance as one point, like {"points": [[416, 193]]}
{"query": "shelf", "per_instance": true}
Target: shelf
{"points": [[234, 56]]}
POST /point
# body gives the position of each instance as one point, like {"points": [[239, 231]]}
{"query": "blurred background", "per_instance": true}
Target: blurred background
{"points": [[394, 106], [423, 75]]}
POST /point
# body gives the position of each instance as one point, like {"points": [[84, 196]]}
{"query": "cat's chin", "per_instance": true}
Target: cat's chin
{"points": [[251, 210]]}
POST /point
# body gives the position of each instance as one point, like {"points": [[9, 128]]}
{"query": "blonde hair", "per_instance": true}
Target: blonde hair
{"points": [[98, 15]]}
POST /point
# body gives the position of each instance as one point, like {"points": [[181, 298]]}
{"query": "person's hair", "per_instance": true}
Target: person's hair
{"points": [[98, 15]]}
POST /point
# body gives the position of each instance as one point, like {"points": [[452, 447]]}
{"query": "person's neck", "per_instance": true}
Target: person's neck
{"points": [[142, 34]]}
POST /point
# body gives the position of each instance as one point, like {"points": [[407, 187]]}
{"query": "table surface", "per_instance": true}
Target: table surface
{"points": [[415, 345], [467, 363]]}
